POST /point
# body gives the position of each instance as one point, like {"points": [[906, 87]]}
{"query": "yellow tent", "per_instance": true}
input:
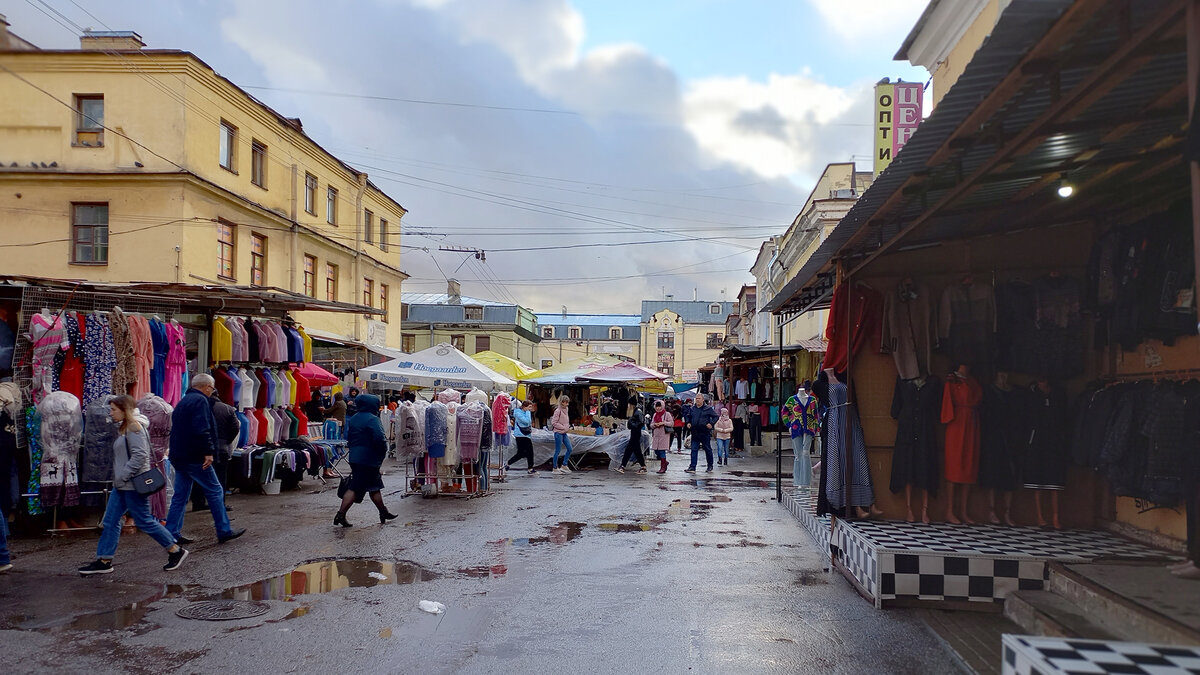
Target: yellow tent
{"points": [[502, 364]]}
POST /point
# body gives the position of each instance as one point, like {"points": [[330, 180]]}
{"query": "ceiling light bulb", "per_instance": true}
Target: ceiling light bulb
{"points": [[1066, 190]]}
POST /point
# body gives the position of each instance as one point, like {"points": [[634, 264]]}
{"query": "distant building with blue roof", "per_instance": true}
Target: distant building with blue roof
{"points": [[678, 337], [566, 336]]}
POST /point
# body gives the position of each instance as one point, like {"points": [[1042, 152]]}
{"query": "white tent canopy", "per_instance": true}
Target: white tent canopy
{"points": [[439, 366]]}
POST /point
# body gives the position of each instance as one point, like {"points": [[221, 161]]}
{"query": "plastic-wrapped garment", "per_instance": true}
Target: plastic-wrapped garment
{"points": [[476, 394], [451, 458], [158, 411], [10, 398], [125, 372], [436, 420], [500, 411], [410, 438], [449, 396], [468, 421], [62, 431], [48, 335], [99, 433]]}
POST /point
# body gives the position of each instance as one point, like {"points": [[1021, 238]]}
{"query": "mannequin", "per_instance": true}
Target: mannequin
{"points": [[960, 414], [800, 416], [1004, 431], [1045, 458], [844, 425], [916, 461]]}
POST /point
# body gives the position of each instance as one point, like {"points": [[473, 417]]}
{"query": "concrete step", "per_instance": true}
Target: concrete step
{"points": [[1044, 613], [1145, 621]]}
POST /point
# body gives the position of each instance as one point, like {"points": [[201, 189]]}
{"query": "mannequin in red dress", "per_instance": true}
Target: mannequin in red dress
{"points": [[960, 414]]}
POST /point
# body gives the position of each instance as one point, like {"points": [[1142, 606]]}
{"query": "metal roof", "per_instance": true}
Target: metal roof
{"points": [[444, 299], [1058, 86], [606, 320], [691, 311]]}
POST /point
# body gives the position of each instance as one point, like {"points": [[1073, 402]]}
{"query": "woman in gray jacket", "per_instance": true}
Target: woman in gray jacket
{"points": [[131, 456]]}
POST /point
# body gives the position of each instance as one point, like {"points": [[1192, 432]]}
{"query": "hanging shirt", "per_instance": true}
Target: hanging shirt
{"points": [[222, 341]]}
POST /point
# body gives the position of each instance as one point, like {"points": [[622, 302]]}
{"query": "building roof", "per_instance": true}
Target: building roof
{"points": [[691, 311], [444, 299], [606, 320]]}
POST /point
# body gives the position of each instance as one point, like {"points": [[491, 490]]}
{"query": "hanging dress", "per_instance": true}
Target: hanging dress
{"points": [[960, 414], [48, 336], [915, 457], [99, 359], [125, 370], [844, 422], [1004, 430], [160, 346]]}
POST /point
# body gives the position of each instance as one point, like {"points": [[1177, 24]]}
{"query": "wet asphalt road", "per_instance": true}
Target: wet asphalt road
{"points": [[592, 572]]}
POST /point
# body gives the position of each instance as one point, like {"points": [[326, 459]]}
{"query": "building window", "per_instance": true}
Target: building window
{"points": [[666, 363], [258, 260], [473, 313], [666, 339], [331, 198], [383, 300], [459, 342], [383, 234], [89, 234], [714, 308], [368, 225], [331, 282], [368, 292], [258, 164], [226, 247], [310, 193], [228, 146], [483, 343], [548, 332], [573, 333], [408, 343], [89, 120], [310, 276], [614, 333], [713, 340]]}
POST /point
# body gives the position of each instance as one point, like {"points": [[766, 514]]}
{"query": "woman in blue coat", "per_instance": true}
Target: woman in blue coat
{"points": [[368, 447]]}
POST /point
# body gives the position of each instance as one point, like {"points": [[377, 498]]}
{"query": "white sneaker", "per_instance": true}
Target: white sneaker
{"points": [[566, 469], [556, 470]]}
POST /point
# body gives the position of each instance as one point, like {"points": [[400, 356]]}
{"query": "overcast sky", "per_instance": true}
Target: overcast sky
{"points": [[576, 123]]}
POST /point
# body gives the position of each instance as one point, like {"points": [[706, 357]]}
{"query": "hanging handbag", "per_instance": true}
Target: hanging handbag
{"points": [[343, 486], [147, 483]]}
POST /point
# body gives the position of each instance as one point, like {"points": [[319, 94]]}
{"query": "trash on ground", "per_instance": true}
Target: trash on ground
{"points": [[431, 607]]}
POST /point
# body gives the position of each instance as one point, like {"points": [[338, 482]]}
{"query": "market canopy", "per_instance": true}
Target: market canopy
{"points": [[439, 366], [641, 377], [317, 375], [508, 367], [567, 371]]}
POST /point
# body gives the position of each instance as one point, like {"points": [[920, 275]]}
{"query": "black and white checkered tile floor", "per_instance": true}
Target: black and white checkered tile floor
{"points": [[1024, 655], [939, 562]]}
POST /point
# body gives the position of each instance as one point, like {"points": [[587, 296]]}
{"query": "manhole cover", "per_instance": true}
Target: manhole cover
{"points": [[223, 610]]}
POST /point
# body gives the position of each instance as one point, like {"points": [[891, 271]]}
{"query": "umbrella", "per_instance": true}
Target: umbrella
{"points": [[439, 366], [508, 367], [317, 375], [641, 377]]}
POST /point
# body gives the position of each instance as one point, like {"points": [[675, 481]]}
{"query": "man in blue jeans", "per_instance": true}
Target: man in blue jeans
{"points": [[193, 447], [700, 421]]}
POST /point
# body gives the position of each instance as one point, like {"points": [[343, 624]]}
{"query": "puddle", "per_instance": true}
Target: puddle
{"points": [[624, 527], [122, 617], [330, 575], [484, 571], [560, 533], [722, 498]]}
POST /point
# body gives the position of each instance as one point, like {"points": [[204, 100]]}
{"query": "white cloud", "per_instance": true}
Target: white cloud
{"points": [[859, 20]]}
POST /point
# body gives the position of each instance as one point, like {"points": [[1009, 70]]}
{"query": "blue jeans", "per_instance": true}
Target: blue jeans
{"points": [[723, 448], [121, 502], [696, 451], [559, 441], [5, 558], [185, 475]]}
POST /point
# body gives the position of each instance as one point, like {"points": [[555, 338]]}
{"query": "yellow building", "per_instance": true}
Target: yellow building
{"points": [[781, 258], [947, 36], [120, 163], [678, 337]]}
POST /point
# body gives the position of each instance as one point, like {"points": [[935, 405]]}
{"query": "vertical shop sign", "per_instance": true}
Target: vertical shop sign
{"points": [[897, 116]]}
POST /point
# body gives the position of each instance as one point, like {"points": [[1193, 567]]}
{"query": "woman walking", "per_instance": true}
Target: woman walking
{"points": [[662, 426], [368, 446], [723, 431], [560, 421], [677, 426], [633, 447], [131, 457], [522, 430], [741, 420]]}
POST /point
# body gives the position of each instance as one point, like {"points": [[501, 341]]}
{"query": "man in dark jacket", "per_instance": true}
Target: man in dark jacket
{"points": [[194, 448], [700, 420], [228, 429]]}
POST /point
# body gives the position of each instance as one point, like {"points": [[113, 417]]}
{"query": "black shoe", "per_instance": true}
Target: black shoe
{"points": [[690, 469], [384, 516], [96, 567], [174, 560], [708, 470], [231, 536], [183, 540], [340, 519]]}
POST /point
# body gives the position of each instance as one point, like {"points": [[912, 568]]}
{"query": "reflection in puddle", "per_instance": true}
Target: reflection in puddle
{"points": [[122, 617], [484, 571], [331, 575]]}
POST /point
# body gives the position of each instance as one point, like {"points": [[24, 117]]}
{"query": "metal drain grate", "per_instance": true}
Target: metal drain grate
{"points": [[223, 610]]}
